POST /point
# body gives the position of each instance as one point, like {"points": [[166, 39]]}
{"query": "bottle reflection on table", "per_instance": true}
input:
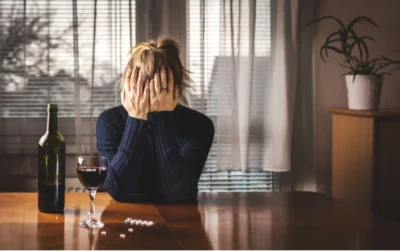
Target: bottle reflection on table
{"points": [[50, 231]]}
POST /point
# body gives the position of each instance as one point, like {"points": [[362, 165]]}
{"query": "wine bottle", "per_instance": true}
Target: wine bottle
{"points": [[51, 170]]}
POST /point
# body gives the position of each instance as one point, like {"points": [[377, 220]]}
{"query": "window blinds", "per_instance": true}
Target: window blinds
{"points": [[209, 49], [37, 55], [37, 67]]}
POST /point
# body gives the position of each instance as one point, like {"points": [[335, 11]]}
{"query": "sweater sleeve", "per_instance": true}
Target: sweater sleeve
{"points": [[181, 164], [124, 155]]}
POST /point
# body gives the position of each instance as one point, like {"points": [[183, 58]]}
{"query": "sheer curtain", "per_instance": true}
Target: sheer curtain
{"points": [[250, 84], [252, 62]]}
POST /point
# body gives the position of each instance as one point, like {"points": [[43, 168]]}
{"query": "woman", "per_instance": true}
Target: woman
{"points": [[153, 144]]}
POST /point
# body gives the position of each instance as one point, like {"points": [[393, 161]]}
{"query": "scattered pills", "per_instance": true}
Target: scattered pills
{"points": [[103, 232], [130, 230], [122, 236], [139, 222]]}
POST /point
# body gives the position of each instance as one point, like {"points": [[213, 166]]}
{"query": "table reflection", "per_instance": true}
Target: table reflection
{"points": [[209, 221], [155, 237], [289, 221], [230, 223], [50, 231]]}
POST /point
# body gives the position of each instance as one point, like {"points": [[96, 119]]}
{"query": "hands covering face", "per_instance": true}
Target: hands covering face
{"points": [[140, 96]]}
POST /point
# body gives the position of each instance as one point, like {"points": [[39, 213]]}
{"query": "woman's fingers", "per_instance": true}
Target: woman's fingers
{"points": [[170, 86], [123, 96], [152, 90], [163, 78], [134, 77], [146, 93], [157, 82], [176, 94], [127, 80], [139, 84]]}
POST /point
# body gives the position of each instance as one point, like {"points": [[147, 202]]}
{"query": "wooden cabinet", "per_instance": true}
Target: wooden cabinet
{"points": [[366, 159]]}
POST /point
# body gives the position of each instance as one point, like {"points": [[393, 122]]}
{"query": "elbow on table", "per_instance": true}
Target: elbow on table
{"points": [[118, 195], [175, 197]]}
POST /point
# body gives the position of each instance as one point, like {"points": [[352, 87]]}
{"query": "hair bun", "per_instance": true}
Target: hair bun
{"points": [[168, 45]]}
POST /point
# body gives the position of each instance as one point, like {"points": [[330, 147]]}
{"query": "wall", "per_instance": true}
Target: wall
{"points": [[329, 88]]}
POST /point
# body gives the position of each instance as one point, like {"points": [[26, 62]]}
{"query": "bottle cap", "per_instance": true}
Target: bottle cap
{"points": [[51, 108]]}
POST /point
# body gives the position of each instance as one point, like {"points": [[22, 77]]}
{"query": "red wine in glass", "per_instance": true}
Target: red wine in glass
{"points": [[92, 171], [92, 177]]}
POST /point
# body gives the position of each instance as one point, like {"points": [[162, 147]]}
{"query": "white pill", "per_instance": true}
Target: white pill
{"points": [[128, 220], [130, 230], [132, 222], [122, 236], [139, 222], [151, 223], [144, 223], [103, 232]]}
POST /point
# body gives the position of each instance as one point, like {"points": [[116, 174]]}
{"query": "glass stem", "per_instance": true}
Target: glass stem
{"points": [[92, 194]]}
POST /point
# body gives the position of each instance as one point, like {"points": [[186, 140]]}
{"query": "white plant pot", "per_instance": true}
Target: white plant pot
{"points": [[364, 92]]}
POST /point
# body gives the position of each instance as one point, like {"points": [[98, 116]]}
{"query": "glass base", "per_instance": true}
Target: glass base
{"points": [[91, 223]]}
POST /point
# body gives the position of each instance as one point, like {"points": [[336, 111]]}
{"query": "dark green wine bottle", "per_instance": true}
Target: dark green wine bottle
{"points": [[51, 170]]}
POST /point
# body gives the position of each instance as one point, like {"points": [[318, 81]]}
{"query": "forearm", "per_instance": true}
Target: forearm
{"points": [[125, 162], [175, 169]]}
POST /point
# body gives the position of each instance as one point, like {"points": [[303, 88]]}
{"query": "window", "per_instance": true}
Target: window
{"points": [[37, 67], [37, 55], [40, 64], [209, 50]]}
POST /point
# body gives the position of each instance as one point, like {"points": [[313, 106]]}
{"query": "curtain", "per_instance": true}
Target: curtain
{"points": [[253, 81], [281, 95], [260, 95]]}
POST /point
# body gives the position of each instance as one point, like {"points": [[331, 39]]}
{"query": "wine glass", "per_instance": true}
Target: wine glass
{"points": [[92, 171]]}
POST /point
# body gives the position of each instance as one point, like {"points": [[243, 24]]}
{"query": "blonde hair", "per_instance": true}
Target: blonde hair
{"points": [[149, 56]]}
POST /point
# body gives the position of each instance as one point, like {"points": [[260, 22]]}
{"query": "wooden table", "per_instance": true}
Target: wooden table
{"points": [[293, 220]]}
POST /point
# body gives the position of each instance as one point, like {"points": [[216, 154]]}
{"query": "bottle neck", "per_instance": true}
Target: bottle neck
{"points": [[52, 122]]}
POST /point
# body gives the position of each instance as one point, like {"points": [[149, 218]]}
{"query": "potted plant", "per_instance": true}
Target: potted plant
{"points": [[364, 77]]}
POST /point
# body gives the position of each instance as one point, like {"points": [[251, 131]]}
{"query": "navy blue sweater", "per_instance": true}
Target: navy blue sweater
{"points": [[162, 157]]}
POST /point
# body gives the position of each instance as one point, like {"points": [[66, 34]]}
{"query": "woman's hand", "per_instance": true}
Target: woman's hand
{"points": [[164, 95], [134, 97]]}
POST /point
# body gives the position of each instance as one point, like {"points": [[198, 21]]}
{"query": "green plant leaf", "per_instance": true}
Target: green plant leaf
{"points": [[358, 20], [361, 45], [321, 53], [371, 65], [328, 39], [333, 49], [343, 65], [361, 42], [328, 17]]}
